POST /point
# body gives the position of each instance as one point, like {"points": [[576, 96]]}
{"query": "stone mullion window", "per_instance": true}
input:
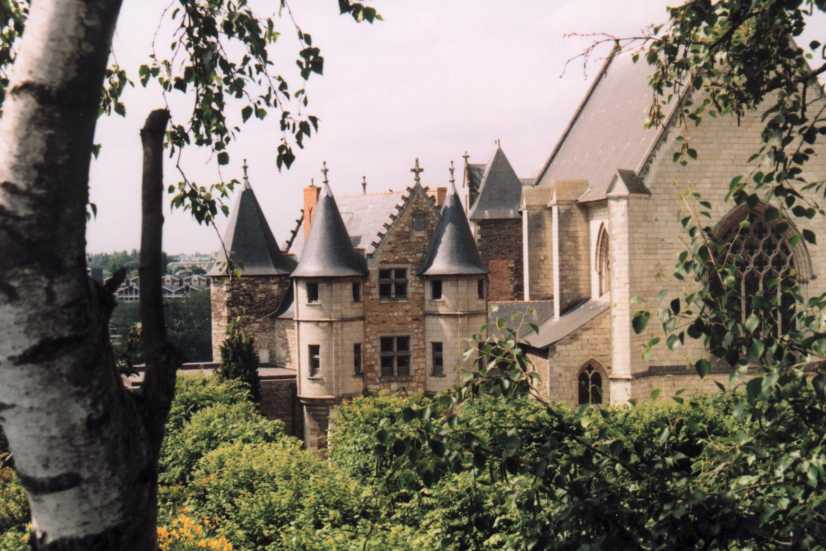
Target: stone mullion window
{"points": [[590, 385], [394, 356], [393, 283]]}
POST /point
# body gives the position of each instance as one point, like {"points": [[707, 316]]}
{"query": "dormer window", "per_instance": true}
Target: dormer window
{"points": [[435, 289], [419, 221], [393, 283], [312, 293]]}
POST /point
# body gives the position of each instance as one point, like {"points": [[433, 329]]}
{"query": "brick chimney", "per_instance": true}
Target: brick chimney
{"points": [[439, 195], [311, 194]]}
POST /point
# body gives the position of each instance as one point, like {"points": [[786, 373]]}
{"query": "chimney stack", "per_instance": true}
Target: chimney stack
{"points": [[311, 194]]}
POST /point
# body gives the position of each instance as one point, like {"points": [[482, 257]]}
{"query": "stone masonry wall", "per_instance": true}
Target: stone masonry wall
{"points": [[402, 247], [592, 341], [279, 400], [255, 299], [574, 261], [500, 246], [540, 267]]}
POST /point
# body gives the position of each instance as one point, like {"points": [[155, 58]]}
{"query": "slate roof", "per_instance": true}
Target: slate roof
{"points": [[364, 215], [607, 131], [500, 192], [250, 243], [328, 251], [554, 330], [512, 312], [452, 248]]}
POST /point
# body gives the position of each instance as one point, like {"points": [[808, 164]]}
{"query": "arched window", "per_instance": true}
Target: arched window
{"points": [[766, 262], [590, 384], [603, 261]]}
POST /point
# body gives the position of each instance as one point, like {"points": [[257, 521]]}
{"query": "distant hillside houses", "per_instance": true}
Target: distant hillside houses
{"points": [[174, 286]]}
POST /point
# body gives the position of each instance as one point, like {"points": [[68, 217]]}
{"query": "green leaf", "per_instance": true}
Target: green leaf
{"points": [[640, 321], [223, 158], [809, 236]]}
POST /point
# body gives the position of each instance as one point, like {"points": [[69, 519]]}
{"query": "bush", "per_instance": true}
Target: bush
{"points": [[14, 507], [257, 490], [196, 392], [239, 360], [184, 533], [209, 429]]}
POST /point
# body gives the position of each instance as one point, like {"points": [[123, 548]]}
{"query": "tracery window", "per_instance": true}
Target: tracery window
{"points": [[590, 384], [603, 261], [766, 263]]}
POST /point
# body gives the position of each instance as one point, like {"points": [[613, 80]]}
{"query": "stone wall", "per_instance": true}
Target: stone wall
{"points": [[279, 400], [540, 254], [574, 264], [253, 298], [500, 246], [401, 247]]}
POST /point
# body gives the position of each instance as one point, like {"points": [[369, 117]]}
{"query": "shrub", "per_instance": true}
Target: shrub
{"points": [[184, 533], [196, 392], [14, 540], [259, 489], [209, 429], [14, 507], [239, 360]]}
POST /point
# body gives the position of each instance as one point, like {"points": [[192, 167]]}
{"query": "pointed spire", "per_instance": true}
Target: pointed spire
{"points": [[325, 171], [246, 176], [329, 251], [452, 249], [417, 172], [500, 192], [251, 247], [364, 185], [452, 178]]}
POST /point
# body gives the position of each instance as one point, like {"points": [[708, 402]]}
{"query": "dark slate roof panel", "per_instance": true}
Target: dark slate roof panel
{"points": [[500, 193], [452, 249], [250, 243], [608, 131], [328, 251]]}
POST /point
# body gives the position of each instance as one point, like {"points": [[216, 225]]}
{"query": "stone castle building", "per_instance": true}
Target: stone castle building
{"points": [[383, 290]]}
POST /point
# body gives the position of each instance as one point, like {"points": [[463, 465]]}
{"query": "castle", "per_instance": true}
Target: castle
{"points": [[383, 290]]}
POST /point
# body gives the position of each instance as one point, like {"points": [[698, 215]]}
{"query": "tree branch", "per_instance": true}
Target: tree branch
{"points": [[161, 359]]}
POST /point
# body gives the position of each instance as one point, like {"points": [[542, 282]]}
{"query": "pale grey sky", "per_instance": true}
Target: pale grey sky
{"points": [[434, 79]]}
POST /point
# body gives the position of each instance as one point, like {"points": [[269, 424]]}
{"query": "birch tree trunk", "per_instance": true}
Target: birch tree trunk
{"points": [[80, 441]]}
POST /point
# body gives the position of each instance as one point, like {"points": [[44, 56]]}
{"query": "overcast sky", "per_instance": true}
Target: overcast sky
{"points": [[436, 78]]}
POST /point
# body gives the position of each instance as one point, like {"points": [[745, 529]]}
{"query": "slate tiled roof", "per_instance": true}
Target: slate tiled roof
{"points": [[452, 248], [607, 132], [364, 215], [554, 330], [250, 243], [328, 251], [500, 192]]}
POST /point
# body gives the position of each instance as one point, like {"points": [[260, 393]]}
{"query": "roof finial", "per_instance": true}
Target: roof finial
{"points": [[499, 143], [246, 177], [364, 185], [452, 169], [417, 172], [466, 157], [324, 171]]}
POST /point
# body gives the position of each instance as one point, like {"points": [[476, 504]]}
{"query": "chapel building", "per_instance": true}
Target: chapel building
{"points": [[383, 291]]}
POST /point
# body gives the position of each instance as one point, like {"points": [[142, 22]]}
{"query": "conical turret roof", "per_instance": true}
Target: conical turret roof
{"points": [[328, 251], [249, 242], [452, 249], [500, 193]]}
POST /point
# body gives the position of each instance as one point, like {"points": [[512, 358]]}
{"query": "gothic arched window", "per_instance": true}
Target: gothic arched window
{"points": [[766, 262], [603, 261], [590, 384]]}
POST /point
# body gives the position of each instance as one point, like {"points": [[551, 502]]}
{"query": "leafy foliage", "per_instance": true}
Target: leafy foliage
{"points": [[209, 429], [239, 359], [194, 393]]}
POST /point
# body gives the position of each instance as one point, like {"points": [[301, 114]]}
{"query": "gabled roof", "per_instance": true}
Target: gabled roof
{"points": [[249, 242], [328, 251], [607, 131], [364, 215], [452, 248], [500, 192]]}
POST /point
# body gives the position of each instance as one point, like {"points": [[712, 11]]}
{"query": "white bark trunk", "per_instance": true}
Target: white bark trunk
{"points": [[72, 430]]}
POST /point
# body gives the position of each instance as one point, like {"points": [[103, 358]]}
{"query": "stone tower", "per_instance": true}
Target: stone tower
{"points": [[255, 281], [329, 318], [456, 293]]}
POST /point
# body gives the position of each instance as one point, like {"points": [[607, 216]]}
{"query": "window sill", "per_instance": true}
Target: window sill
{"points": [[391, 299], [313, 304], [315, 378], [389, 379], [438, 375]]}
